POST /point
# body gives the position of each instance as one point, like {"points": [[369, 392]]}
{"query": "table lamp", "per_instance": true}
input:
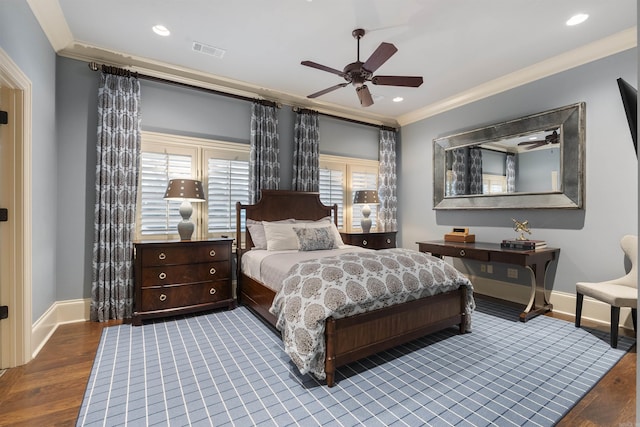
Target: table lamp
{"points": [[187, 190], [366, 198]]}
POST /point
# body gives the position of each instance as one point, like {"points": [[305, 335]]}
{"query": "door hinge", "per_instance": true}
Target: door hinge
{"points": [[4, 118], [4, 311]]}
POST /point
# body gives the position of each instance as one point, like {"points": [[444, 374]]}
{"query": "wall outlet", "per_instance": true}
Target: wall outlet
{"points": [[489, 268], [512, 273], [483, 268]]}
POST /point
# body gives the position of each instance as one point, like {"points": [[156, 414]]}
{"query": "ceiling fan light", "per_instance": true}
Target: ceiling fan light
{"points": [[576, 19]]}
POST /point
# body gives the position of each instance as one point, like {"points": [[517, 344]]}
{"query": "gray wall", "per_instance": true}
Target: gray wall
{"points": [[589, 238], [23, 40], [165, 108]]}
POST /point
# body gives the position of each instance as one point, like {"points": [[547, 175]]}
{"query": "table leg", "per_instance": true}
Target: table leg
{"points": [[538, 303]]}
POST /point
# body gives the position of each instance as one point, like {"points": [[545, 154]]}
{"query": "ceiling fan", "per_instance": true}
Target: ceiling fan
{"points": [[552, 138], [358, 73]]}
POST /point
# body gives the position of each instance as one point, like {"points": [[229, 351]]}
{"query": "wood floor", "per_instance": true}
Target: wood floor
{"points": [[48, 390]]}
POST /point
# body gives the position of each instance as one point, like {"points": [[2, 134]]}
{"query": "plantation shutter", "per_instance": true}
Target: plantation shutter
{"points": [[158, 216], [228, 183], [332, 190]]}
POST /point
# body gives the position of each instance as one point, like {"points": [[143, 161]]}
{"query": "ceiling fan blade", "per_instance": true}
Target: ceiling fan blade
{"points": [[327, 90], [536, 145], [379, 57], [397, 81], [364, 95], [322, 67]]}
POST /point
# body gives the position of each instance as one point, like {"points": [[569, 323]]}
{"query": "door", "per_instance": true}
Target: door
{"points": [[4, 342]]}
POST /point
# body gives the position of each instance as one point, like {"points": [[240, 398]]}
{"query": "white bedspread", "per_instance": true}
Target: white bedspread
{"points": [[271, 267], [350, 284]]}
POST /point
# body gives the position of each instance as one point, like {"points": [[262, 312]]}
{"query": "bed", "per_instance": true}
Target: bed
{"points": [[353, 337]]}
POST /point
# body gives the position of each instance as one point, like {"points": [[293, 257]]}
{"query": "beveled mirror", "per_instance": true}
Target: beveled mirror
{"points": [[534, 162]]}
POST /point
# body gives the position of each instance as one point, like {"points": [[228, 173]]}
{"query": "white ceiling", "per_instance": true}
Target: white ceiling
{"points": [[464, 49]]}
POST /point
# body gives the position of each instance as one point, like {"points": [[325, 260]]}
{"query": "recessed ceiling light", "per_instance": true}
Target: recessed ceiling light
{"points": [[577, 19], [161, 30], [398, 99]]}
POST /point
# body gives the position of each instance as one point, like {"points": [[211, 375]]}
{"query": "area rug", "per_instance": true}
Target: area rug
{"points": [[228, 368]]}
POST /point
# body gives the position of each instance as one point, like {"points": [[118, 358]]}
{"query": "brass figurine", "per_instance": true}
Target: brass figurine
{"points": [[522, 227]]}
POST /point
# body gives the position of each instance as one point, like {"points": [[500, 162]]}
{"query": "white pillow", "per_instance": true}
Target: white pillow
{"points": [[323, 223], [280, 237], [256, 230]]}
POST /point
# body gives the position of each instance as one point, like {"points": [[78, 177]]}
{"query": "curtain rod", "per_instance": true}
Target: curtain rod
{"points": [[346, 119], [123, 72]]}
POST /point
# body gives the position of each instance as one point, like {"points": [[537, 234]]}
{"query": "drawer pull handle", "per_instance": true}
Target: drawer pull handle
{"points": [[162, 275], [212, 252], [163, 297], [162, 255], [389, 241], [212, 291], [364, 243], [212, 271], [462, 252]]}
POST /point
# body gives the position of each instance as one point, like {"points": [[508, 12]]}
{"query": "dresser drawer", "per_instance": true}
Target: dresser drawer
{"points": [[455, 251], [382, 240], [177, 296], [185, 254], [174, 274]]}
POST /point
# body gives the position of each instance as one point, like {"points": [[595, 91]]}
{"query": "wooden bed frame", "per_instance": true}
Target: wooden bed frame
{"points": [[355, 337]]}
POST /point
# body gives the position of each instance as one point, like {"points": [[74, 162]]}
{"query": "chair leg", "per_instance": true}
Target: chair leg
{"points": [[615, 319], [634, 317], [579, 299]]}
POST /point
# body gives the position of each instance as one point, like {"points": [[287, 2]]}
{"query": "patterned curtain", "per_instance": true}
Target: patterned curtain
{"points": [[306, 164], [387, 188], [118, 152], [264, 167], [475, 170], [511, 173], [459, 171]]}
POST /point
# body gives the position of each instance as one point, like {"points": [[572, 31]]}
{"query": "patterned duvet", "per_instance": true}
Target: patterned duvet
{"points": [[353, 283]]}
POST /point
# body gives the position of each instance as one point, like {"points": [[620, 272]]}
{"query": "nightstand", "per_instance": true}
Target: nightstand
{"points": [[372, 240], [181, 277]]}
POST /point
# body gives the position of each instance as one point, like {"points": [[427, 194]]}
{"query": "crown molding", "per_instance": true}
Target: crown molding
{"points": [[51, 19], [591, 52]]}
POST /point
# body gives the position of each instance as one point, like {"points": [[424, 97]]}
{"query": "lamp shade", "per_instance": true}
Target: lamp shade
{"points": [[366, 197], [185, 189]]}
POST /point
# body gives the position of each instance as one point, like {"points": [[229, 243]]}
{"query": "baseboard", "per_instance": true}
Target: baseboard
{"points": [[563, 302], [59, 313]]}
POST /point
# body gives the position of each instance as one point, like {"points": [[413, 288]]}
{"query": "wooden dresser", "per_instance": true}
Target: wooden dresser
{"points": [[372, 240], [181, 277]]}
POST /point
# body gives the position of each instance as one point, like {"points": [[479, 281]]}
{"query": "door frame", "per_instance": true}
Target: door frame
{"points": [[15, 348]]}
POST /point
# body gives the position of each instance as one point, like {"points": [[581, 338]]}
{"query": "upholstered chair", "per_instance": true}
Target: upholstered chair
{"points": [[622, 292]]}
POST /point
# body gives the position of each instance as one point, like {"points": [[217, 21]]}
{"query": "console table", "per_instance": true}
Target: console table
{"points": [[536, 261]]}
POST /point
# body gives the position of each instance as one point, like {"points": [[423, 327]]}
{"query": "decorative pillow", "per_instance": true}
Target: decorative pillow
{"points": [[326, 221], [280, 237], [315, 238], [256, 230]]}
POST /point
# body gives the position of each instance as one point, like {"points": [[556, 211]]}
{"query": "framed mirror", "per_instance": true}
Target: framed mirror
{"points": [[534, 162]]}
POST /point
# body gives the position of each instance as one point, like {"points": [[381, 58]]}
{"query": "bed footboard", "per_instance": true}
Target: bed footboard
{"points": [[353, 338]]}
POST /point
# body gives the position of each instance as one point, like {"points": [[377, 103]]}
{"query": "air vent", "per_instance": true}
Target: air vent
{"points": [[208, 50]]}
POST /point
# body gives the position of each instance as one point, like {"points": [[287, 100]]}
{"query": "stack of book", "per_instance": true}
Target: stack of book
{"points": [[529, 245]]}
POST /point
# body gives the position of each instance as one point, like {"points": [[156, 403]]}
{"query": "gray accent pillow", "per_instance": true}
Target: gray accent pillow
{"points": [[315, 239]]}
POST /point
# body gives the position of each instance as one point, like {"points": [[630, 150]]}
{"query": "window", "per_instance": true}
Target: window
{"points": [[340, 177], [222, 167]]}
